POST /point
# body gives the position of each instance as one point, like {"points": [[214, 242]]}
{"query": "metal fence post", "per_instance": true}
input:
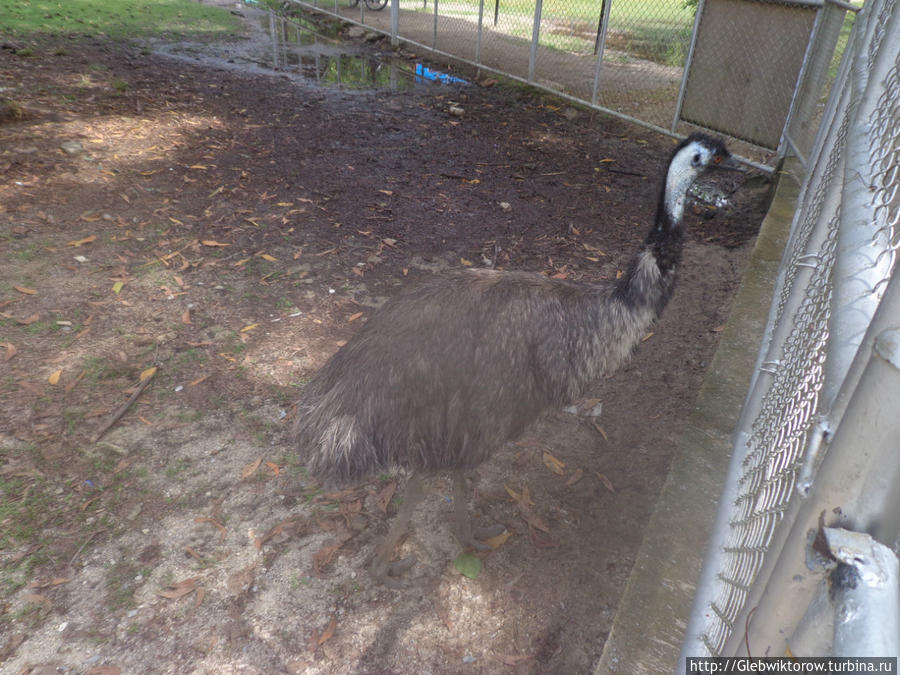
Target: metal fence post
{"points": [[395, 23], [535, 37], [601, 46], [687, 65]]}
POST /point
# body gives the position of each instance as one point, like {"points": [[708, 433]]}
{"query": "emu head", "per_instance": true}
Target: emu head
{"points": [[693, 157]]}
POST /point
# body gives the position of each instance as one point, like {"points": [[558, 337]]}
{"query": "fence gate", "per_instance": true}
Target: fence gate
{"points": [[743, 67]]}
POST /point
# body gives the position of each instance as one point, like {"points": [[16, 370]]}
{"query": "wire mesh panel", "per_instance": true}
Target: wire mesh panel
{"points": [[727, 90], [626, 57], [841, 254], [644, 56]]}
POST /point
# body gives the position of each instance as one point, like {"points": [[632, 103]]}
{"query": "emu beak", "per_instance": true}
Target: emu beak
{"points": [[727, 163]]}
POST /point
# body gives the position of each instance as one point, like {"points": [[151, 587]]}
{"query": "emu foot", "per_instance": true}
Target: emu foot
{"points": [[383, 571], [467, 535], [474, 537]]}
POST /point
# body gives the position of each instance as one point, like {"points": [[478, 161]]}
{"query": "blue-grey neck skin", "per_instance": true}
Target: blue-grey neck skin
{"points": [[650, 277]]}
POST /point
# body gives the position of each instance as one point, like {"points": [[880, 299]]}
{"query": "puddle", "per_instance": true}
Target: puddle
{"points": [[298, 49]]}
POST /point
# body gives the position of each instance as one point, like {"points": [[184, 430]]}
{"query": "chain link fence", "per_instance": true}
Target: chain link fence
{"points": [[808, 454], [732, 66]]}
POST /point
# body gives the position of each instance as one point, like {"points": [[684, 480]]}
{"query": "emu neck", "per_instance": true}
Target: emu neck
{"points": [[650, 276]]}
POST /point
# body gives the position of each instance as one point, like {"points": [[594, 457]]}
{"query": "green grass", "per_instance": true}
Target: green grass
{"points": [[114, 18], [658, 31]]}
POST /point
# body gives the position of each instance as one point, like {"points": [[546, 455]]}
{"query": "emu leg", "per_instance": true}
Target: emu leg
{"points": [[381, 568], [467, 535]]}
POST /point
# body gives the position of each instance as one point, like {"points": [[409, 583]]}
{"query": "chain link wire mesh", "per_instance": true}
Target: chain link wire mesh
{"points": [[627, 57], [842, 252]]}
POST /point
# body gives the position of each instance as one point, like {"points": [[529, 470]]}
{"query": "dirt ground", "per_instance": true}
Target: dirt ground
{"points": [[231, 229]]}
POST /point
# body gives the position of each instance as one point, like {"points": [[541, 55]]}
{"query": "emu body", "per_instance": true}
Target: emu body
{"points": [[450, 369]]}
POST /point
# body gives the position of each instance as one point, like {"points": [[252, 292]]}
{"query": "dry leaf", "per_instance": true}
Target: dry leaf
{"points": [[384, 496], [150, 372], [324, 556], [105, 670], [186, 317], [212, 521], [329, 631], [354, 317], [249, 328], [498, 540], [212, 242], [606, 481], [524, 503], [54, 377], [274, 467], [465, 263], [82, 242], [26, 291], [250, 469], [30, 320], [266, 256], [514, 660], [180, 589], [575, 477], [10, 350], [554, 464]]}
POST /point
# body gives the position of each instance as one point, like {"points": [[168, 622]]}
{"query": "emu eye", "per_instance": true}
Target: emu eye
{"points": [[717, 159], [696, 160]]}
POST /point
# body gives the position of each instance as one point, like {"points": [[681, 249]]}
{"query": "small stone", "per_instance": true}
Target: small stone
{"points": [[71, 147], [506, 206], [456, 111]]}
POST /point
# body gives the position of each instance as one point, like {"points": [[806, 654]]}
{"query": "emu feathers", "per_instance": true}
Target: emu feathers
{"points": [[451, 368]]}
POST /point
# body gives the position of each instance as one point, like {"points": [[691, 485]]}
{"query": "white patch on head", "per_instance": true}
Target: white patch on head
{"points": [[684, 168]]}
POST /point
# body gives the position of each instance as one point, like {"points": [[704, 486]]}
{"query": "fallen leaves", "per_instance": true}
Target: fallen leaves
{"points": [[214, 521], [81, 242], [29, 320], [384, 496], [180, 589], [11, 350], [25, 290], [555, 465], [316, 640], [250, 469]]}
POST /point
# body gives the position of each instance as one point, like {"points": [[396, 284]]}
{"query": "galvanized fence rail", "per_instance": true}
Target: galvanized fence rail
{"points": [[817, 443], [739, 67]]}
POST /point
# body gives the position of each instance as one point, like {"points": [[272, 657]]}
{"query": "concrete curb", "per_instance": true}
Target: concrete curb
{"points": [[649, 626]]}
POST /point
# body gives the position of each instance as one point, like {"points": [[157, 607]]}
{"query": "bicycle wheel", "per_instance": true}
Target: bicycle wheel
{"points": [[376, 5]]}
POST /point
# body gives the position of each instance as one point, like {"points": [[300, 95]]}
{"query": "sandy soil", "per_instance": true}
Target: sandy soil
{"points": [[231, 229]]}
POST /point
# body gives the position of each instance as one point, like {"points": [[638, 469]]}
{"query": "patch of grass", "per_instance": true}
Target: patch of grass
{"points": [[121, 584], [116, 18], [177, 467], [26, 507], [119, 85]]}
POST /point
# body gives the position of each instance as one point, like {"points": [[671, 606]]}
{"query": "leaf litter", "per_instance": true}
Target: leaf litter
{"points": [[311, 569]]}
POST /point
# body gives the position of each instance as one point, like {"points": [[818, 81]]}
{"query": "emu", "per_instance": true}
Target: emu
{"points": [[450, 369]]}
